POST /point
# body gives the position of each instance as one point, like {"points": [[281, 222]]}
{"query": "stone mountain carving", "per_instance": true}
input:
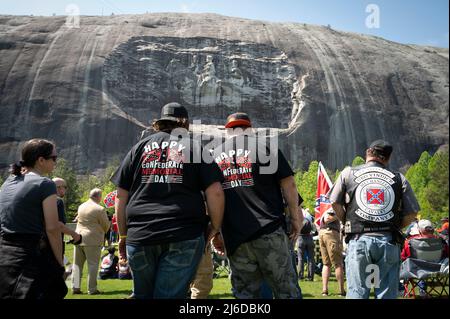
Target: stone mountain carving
{"points": [[212, 77], [94, 88]]}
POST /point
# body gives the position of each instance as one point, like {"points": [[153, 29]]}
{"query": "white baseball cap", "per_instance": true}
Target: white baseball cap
{"points": [[424, 224]]}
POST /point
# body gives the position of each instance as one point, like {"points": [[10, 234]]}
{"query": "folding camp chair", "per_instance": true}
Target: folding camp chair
{"points": [[425, 270], [434, 287]]}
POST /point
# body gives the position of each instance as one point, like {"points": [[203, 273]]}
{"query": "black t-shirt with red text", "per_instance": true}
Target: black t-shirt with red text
{"points": [[164, 176], [253, 199]]}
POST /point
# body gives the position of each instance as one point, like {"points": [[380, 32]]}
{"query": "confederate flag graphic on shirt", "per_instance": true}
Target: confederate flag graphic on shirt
{"points": [[162, 163], [375, 196], [236, 168]]}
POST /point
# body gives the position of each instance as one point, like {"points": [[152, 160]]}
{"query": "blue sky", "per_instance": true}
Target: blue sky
{"points": [[406, 21]]}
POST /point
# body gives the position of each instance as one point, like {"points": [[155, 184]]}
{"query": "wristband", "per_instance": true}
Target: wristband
{"points": [[79, 241]]}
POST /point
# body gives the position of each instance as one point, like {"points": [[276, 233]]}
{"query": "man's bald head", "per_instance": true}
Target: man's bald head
{"points": [[61, 186]]}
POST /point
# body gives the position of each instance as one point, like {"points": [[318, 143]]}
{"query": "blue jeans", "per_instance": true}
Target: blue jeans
{"points": [[306, 247], [165, 271], [372, 259]]}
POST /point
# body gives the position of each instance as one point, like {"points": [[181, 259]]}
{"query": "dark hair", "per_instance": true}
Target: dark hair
{"points": [[16, 168], [168, 126], [378, 154], [31, 151]]}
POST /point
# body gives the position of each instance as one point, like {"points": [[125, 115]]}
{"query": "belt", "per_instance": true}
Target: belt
{"points": [[372, 234], [21, 237], [377, 234]]}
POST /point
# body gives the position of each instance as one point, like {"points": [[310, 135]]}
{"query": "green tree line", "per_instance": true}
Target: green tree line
{"points": [[80, 186], [428, 178]]}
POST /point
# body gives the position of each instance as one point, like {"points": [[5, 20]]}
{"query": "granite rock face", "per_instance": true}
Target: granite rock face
{"points": [[212, 77], [93, 89]]}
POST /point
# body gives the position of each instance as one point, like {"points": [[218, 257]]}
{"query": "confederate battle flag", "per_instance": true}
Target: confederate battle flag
{"points": [[375, 196], [323, 186], [110, 199]]}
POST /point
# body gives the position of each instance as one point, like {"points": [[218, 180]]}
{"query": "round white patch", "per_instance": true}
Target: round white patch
{"points": [[375, 198]]}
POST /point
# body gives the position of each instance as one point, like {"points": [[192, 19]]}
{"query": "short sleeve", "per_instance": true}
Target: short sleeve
{"points": [[61, 211], [284, 169], [47, 188], [123, 177], [300, 199], [210, 174], [337, 192]]}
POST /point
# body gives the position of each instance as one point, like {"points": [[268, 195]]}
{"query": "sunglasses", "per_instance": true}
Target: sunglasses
{"points": [[53, 157]]}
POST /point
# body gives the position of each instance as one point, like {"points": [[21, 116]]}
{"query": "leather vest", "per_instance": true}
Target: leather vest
{"points": [[375, 197]]}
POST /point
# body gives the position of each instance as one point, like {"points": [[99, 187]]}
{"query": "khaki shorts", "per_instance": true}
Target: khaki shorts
{"points": [[330, 247], [202, 284]]}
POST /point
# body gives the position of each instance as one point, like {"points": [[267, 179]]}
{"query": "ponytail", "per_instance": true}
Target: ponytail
{"points": [[16, 168]]}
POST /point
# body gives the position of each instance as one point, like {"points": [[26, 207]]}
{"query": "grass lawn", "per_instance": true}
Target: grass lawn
{"points": [[119, 289]]}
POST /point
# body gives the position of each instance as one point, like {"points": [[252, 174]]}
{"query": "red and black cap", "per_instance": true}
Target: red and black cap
{"points": [[238, 119]]}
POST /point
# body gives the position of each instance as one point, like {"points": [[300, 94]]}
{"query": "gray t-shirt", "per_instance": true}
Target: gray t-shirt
{"points": [[21, 200], [338, 194]]}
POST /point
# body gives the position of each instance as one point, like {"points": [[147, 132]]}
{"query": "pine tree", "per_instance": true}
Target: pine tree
{"points": [[307, 185], [436, 191], [358, 161], [417, 175], [429, 181]]}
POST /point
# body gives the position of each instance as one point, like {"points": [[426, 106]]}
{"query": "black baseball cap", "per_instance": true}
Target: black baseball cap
{"points": [[382, 147], [172, 112]]}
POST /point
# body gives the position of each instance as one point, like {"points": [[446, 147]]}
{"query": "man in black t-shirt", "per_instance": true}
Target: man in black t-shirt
{"points": [[254, 222], [160, 209]]}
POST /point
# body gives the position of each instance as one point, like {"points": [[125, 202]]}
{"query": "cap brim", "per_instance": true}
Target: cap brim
{"points": [[235, 123], [167, 118]]}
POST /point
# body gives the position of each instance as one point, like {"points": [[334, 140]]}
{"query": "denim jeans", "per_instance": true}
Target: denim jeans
{"points": [[372, 259], [165, 271], [306, 245]]}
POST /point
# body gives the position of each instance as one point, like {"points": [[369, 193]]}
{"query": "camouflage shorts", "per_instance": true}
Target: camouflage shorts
{"points": [[264, 259]]}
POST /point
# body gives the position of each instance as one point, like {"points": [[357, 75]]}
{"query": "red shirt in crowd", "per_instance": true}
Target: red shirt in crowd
{"points": [[115, 228]]}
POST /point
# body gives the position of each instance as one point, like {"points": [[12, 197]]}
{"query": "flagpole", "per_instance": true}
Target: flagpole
{"points": [[322, 189]]}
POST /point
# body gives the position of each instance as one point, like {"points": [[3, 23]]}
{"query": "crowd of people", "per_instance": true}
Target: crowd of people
{"points": [[173, 214]]}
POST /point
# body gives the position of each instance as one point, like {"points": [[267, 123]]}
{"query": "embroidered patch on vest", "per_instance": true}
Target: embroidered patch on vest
{"points": [[374, 195]]}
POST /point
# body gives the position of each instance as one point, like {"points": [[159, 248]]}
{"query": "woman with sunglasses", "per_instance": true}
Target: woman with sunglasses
{"points": [[31, 264]]}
